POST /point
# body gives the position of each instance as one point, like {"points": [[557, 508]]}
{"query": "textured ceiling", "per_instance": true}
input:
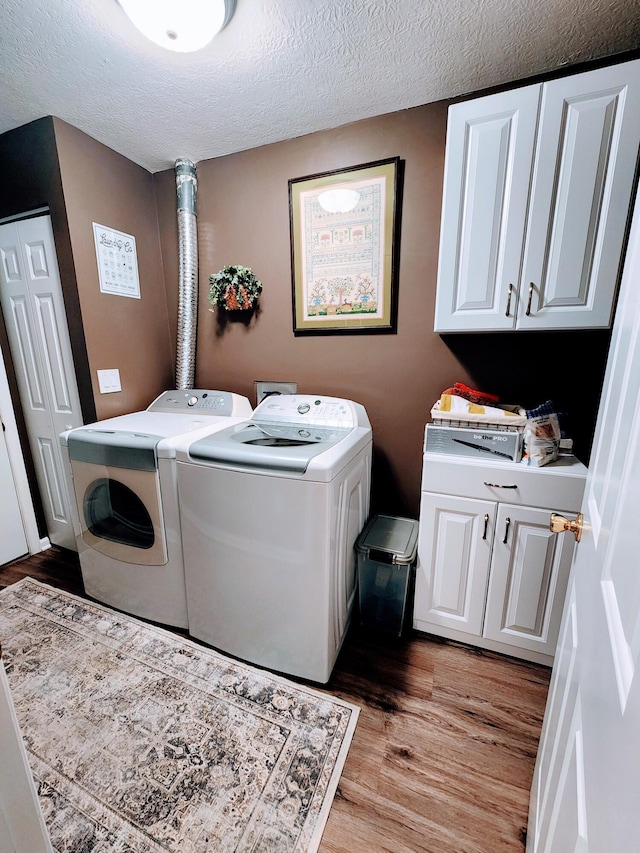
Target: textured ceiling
{"points": [[281, 68]]}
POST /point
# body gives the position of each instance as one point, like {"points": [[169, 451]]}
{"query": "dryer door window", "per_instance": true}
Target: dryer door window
{"points": [[120, 511], [113, 511]]}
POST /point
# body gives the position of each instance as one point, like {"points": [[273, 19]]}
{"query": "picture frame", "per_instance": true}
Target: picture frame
{"points": [[344, 261], [117, 262]]}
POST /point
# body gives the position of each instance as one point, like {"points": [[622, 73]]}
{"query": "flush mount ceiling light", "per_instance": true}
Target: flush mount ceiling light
{"points": [[338, 201], [181, 25]]}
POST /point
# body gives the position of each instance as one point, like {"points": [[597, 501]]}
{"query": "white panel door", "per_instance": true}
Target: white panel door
{"points": [[585, 789], [490, 144], [580, 198], [22, 826], [34, 313], [454, 552]]}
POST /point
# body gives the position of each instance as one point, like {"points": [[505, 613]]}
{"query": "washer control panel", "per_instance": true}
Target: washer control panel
{"points": [[306, 408], [194, 399]]}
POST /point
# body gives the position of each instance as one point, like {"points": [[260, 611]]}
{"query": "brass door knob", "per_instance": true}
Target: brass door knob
{"points": [[560, 524]]}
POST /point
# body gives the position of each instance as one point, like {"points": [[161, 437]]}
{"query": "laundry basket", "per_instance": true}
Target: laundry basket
{"points": [[386, 553]]}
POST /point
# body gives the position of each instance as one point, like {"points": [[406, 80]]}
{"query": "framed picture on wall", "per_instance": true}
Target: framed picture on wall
{"points": [[344, 249], [117, 262]]}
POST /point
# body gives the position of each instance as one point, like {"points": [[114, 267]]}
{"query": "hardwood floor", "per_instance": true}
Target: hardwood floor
{"points": [[444, 750]]}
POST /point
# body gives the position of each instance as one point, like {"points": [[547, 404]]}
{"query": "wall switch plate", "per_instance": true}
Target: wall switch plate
{"points": [[109, 381], [266, 389]]}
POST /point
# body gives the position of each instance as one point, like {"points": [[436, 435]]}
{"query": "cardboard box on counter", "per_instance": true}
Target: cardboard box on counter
{"points": [[485, 443]]}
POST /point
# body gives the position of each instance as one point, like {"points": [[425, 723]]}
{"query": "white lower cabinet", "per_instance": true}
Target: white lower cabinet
{"points": [[490, 572]]}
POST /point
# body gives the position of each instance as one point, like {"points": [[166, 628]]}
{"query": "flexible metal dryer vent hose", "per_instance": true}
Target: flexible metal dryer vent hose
{"points": [[186, 186]]}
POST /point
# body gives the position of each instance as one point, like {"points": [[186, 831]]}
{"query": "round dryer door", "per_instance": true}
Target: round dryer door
{"points": [[120, 512]]}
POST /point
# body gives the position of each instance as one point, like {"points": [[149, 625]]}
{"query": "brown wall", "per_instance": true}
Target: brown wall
{"points": [[243, 217], [49, 163], [31, 180], [131, 335]]}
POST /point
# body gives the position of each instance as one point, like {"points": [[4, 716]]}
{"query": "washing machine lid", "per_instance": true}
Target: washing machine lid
{"points": [[267, 445], [289, 433]]}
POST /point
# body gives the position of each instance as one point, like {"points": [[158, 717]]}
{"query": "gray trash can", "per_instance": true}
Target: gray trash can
{"points": [[386, 554]]}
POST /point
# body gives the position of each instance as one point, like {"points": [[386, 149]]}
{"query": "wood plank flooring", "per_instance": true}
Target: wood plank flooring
{"points": [[445, 746]]}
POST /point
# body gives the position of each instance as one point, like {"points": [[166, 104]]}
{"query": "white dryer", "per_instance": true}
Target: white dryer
{"points": [[123, 474], [270, 512]]}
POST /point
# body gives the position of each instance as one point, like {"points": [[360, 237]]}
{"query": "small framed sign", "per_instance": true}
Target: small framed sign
{"points": [[117, 262]]}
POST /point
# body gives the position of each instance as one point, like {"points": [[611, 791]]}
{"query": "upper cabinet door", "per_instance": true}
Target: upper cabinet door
{"points": [[580, 198], [490, 148], [538, 185]]}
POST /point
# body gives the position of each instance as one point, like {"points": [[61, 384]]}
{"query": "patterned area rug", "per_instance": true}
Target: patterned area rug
{"points": [[143, 741]]}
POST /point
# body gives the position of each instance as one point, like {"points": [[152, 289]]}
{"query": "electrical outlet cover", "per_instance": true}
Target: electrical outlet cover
{"points": [[265, 388]]}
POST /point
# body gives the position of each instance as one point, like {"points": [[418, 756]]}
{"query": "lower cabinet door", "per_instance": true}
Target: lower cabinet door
{"points": [[454, 553], [529, 574]]}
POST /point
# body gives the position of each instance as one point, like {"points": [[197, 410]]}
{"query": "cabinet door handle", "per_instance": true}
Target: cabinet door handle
{"points": [[498, 486], [528, 311], [506, 531], [486, 525], [507, 313]]}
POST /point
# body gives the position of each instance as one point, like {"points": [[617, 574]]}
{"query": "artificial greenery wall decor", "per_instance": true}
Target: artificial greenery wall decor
{"points": [[234, 288]]}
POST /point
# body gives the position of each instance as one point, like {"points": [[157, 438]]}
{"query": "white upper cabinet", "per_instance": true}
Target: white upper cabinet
{"points": [[490, 147], [537, 190]]}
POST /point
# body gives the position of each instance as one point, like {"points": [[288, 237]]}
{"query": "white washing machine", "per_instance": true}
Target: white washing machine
{"points": [[123, 474], [270, 512]]}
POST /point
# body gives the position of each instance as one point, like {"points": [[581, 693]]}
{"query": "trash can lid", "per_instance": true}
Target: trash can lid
{"points": [[390, 534]]}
